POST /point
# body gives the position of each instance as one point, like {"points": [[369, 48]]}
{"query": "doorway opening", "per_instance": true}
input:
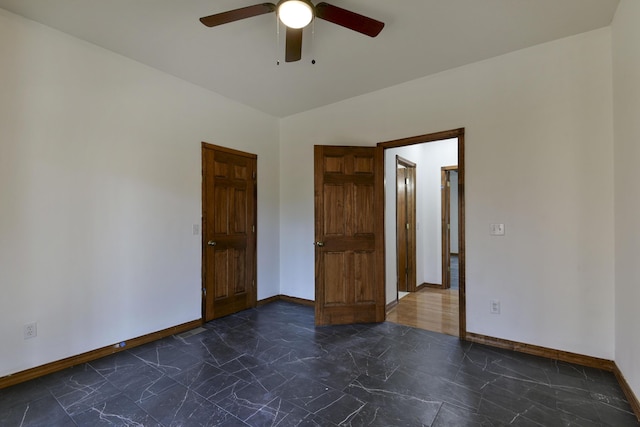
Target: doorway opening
{"points": [[434, 298]]}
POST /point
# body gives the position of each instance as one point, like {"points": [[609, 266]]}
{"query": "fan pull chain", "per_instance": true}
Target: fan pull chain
{"points": [[313, 38], [277, 39]]}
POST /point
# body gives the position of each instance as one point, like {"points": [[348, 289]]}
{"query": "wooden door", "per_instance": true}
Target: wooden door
{"points": [[446, 223], [228, 231], [406, 224], [348, 232], [402, 265]]}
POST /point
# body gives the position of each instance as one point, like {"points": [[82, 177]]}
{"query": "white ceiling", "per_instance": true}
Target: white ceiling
{"points": [[238, 60]]}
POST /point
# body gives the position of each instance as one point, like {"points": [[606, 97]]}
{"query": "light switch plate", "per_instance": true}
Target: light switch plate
{"points": [[496, 229], [495, 306]]}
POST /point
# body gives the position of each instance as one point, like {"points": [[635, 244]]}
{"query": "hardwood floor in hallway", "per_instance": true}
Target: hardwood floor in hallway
{"points": [[431, 309]]}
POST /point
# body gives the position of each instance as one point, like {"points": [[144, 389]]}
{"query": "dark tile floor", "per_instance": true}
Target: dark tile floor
{"points": [[271, 367]]}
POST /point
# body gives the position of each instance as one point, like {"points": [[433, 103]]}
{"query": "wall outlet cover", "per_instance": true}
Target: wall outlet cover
{"points": [[30, 330]]}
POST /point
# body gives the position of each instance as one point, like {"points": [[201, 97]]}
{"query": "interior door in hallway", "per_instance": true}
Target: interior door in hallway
{"points": [[446, 204], [406, 224], [348, 235], [228, 231]]}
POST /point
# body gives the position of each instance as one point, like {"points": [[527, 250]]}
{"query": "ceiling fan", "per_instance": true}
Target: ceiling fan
{"points": [[297, 14]]}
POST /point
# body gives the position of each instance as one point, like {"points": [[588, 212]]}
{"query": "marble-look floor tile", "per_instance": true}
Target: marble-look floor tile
{"points": [[168, 359], [72, 379], [118, 411], [115, 363], [220, 387], [245, 402], [451, 415], [43, 412], [398, 407], [87, 396], [264, 376], [179, 406], [132, 376], [336, 373], [272, 366], [217, 352], [23, 393], [383, 416], [279, 412], [198, 374]]}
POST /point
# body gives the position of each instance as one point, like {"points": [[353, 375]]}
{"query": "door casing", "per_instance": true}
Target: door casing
{"points": [[438, 136]]}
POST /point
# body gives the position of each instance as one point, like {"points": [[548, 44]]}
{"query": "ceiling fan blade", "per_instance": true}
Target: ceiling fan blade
{"points": [[238, 14], [348, 19], [293, 51]]}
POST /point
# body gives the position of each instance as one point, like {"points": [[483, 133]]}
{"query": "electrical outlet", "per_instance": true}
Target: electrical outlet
{"points": [[30, 330], [495, 306]]}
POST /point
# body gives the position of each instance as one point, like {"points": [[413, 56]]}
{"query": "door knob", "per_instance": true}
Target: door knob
{"points": [[319, 243], [211, 243]]}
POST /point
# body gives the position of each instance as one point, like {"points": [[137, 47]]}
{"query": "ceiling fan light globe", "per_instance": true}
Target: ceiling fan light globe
{"points": [[295, 13]]}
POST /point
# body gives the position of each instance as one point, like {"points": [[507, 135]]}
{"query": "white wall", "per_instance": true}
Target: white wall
{"points": [[626, 69], [541, 116], [101, 184]]}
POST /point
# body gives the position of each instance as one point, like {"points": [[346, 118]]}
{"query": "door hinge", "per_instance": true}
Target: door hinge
{"points": [[204, 291], [253, 283], [407, 226], [448, 183], [254, 175], [448, 226], [406, 181], [253, 228]]}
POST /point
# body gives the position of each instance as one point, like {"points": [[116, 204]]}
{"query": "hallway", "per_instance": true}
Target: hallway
{"points": [[431, 309]]}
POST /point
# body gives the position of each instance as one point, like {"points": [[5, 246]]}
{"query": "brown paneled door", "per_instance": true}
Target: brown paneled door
{"points": [[228, 231], [406, 224], [348, 232], [445, 186]]}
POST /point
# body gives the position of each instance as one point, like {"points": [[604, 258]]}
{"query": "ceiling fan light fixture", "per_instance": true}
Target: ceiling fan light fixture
{"points": [[295, 13]]}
